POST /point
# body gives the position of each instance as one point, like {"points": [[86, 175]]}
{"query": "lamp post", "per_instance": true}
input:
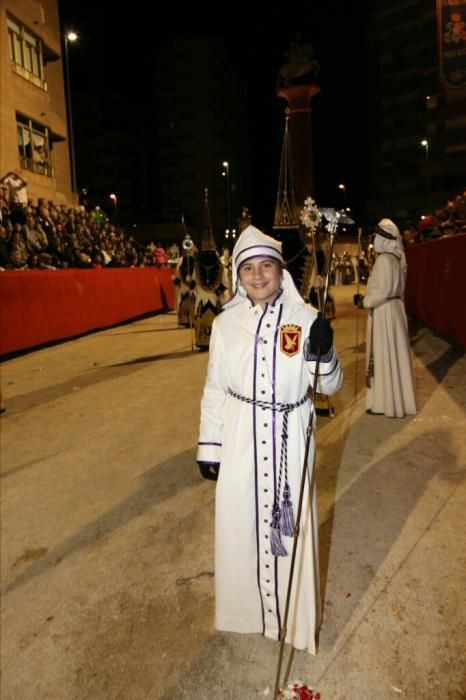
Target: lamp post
{"points": [[425, 144], [70, 37], [114, 198], [226, 175], [342, 187]]}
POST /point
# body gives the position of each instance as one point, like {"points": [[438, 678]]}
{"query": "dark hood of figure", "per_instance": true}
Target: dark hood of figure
{"points": [[209, 268]]}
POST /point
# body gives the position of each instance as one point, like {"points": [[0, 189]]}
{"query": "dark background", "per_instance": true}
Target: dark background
{"points": [[110, 69]]}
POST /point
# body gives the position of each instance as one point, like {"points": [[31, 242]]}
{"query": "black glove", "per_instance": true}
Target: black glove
{"points": [[320, 335], [357, 300], [209, 470]]}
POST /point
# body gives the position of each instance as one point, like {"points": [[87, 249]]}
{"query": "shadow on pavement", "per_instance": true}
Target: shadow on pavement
{"points": [[163, 481], [366, 521]]}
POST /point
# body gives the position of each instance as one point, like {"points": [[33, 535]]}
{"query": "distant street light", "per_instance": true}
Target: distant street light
{"points": [[425, 144], [226, 175], [70, 37], [342, 187], [115, 202]]}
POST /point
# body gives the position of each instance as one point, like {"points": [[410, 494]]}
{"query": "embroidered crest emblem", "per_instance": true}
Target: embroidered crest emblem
{"points": [[290, 338]]}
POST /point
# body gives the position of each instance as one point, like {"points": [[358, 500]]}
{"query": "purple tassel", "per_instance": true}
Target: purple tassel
{"points": [[276, 544], [287, 517]]}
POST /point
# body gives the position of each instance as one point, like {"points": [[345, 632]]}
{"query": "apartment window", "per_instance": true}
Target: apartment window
{"points": [[455, 148], [406, 97], [26, 54], [34, 145], [455, 123]]}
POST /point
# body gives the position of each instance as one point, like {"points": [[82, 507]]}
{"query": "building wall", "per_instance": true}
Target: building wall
{"points": [[46, 107], [409, 105]]}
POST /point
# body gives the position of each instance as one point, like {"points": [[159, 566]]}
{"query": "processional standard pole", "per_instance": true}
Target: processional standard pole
{"points": [[188, 248], [356, 350], [334, 218]]}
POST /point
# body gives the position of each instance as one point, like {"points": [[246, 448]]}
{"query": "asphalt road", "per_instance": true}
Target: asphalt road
{"points": [[107, 528]]}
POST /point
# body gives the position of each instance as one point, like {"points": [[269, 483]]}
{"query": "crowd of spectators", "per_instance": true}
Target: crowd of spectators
{"points": [[447, 221], [46, 236]]}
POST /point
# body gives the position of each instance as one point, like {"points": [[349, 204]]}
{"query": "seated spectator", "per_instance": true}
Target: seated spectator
{"points": [[409, 236], [428, 229], [17, 242], [97, 262], [36, 240], [4, 248], [117, 261], [82, 260], [16, 262], [160, 256], [448, 228], [4, 208]]}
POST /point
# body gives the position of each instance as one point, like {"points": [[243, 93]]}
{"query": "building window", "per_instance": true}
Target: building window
{"points": [[34, 146], [26, 54]]}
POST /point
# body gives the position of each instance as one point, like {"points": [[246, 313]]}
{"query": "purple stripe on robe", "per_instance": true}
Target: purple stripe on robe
{"points": [[254, 420], [274, 433]]}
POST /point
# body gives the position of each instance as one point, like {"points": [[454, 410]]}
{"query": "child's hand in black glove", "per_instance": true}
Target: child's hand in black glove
{"points": [[320, 335], [209, 470]]}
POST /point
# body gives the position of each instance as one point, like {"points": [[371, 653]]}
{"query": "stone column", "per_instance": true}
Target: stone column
{"points": [[299, 99]]}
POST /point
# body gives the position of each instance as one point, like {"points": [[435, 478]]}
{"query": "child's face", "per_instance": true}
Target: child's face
{"points": [[261, 278]]}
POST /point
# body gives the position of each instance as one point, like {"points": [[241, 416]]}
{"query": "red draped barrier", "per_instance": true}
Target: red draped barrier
{"points": [[436, 285], [45, 305]]}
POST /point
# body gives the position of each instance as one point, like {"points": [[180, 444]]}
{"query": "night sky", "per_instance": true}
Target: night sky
{"points": [[109, 42]]}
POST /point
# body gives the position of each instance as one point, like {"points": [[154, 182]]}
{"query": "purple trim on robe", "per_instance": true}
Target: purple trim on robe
{"points": [[274, 434], [254, 420]]}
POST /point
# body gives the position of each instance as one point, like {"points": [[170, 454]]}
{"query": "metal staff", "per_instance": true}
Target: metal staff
{"points": [[316, 271], [188, 247], [334, 218], [357, 320]]}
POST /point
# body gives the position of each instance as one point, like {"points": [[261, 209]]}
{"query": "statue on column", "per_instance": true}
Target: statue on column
{"points": [[301, 67]]}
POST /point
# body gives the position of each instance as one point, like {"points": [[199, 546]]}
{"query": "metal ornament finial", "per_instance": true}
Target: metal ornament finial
{"points": [[310, 215]]}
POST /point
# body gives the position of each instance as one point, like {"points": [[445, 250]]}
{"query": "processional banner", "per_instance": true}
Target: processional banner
{"points": [[451, 21]]}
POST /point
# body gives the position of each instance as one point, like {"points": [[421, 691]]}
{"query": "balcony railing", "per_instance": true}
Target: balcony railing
{"points": [[41, 168]]}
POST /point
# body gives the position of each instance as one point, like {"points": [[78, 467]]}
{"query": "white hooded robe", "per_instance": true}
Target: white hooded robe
{"points": [[250, 356]]}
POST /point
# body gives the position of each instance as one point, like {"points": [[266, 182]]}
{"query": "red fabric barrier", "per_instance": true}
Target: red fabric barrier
{"points": [[165, 276], [436, 285], [45, 305]]}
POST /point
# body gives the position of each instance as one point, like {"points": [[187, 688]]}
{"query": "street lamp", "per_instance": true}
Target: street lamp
{"points": [[425, 144], [70, 37], [226, 175], [342, 187], [115, 203]]}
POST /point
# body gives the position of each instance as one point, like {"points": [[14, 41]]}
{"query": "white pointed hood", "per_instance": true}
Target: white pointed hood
{"points": [[392, 244], [253, 243]]}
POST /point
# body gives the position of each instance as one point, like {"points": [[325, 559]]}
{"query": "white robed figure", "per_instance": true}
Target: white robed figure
{"points": [[389, 374], [254, 414]]}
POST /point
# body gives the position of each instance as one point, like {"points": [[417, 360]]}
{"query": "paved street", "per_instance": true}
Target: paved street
{"points": [[107, 528]]}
